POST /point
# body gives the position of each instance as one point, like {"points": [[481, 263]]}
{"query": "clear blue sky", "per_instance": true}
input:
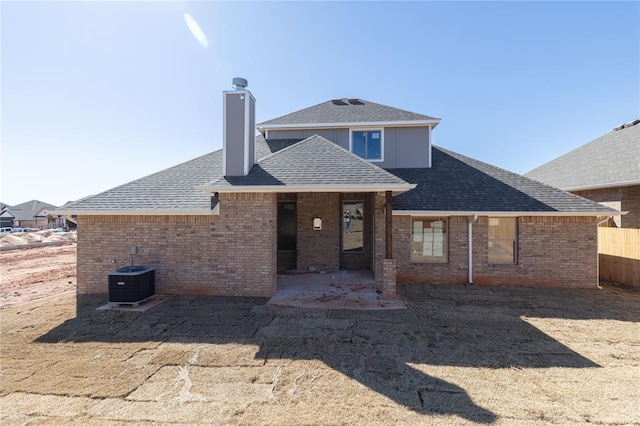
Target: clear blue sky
{"points": [[98, 94]]}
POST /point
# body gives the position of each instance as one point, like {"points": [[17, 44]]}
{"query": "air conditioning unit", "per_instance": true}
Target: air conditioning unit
{"points": [[132, 284]]}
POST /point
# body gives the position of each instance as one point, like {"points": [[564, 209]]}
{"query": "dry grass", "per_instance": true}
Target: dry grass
{"points": [[457, 355]]}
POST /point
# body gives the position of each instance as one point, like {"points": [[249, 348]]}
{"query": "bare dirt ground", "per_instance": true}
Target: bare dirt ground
{"points": [[457, 355], [35, 273]]}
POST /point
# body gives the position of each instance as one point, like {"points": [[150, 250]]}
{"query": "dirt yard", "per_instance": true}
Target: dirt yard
{"points": [[35, 273], [456, 355]]}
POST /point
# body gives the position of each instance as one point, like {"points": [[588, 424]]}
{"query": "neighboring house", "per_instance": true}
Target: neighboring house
{"points": [[6, 218], [226, 222], [605, 170], [32, 214], [63, 221]]}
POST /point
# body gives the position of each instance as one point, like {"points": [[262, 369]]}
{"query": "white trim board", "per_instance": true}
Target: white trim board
{"points": [[351, 124], [603, 186], [427, 213], [214, 212], [397, 189]]}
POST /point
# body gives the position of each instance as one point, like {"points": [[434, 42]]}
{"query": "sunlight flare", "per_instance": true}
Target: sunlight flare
{"points": [[196, 30]]}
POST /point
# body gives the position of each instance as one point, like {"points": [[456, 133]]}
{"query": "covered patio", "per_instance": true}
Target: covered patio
{"points": [[343, 289]]}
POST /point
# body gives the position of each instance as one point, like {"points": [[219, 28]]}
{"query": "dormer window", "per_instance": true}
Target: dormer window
{"points": [[368, 144]]}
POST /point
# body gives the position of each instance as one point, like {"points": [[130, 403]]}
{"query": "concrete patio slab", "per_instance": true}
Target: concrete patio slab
{"points": [[337, 290]]}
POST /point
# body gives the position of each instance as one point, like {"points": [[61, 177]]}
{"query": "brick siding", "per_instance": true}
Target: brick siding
{"points": [[625, 198], [319, 249], [552, 251], [233, 254]]}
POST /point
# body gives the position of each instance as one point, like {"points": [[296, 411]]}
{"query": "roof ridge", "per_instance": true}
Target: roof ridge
{"points": [[365, 112], [399, 109], [286, 148], [336, 146], [362, 160], [284, 115]]}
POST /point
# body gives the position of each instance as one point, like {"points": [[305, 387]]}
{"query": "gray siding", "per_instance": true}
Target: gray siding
{"points": [[404, 147], [235, 120], [339, 136], [412, 147]]}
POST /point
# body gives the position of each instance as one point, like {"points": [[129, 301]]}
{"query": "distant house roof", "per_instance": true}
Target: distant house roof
{"points": [[343, 112], [456, 183], [608, 161], [28, 210], [313, 164]]}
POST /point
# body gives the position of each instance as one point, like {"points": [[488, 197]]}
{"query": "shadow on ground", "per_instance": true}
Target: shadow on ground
{"points": [[449, 326]]}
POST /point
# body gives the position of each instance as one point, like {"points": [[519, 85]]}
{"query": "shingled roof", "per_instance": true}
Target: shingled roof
{"points": [[457, 183], [347, 111], [29, 209], [313, 164], [608, 161], [171, 191]]}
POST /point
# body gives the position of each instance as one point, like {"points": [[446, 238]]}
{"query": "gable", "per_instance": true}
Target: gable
{"points": [[315, 165]]}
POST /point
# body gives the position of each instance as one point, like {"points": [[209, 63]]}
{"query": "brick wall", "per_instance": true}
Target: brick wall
{"points": [[319, 249], [455, 271], [379, 238], [631, 203], [552, 251], [625, 198], [233, 254]]}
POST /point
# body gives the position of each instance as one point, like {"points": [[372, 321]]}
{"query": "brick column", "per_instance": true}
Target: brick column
{"points": [[389, 279], [379, 234]]}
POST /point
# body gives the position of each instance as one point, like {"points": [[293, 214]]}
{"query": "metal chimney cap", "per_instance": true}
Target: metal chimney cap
{"points": [[239, 83]]}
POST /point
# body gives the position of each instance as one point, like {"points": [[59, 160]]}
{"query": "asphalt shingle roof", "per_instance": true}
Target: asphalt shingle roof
{"points": [[454, 183], [334, 111], [460, 183], [314, 161], [28, 210], [173, 189], [609, 160]]}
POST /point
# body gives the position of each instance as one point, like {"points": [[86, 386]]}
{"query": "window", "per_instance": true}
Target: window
{"points": [[502, 240], [429, 240], [367, 144], [352, 226]]}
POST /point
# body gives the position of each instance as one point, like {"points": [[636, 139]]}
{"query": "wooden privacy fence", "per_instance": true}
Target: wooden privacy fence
{"points": [[619, 254]]}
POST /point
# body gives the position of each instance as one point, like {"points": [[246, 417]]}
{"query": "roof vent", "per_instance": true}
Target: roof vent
{"points": [[629, 124], [340, 101], [239, 83], [355, 101]]}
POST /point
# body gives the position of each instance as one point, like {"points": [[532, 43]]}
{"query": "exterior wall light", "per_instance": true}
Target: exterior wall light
{"points": [[317, 223]]}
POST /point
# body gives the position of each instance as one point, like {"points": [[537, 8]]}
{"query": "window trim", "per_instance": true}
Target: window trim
{"points": [[515, 241], [448, 252], [368, 129]]}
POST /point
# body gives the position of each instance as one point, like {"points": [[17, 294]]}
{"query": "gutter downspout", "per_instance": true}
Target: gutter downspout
{"points": [[598, 286], [475, 217]]}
